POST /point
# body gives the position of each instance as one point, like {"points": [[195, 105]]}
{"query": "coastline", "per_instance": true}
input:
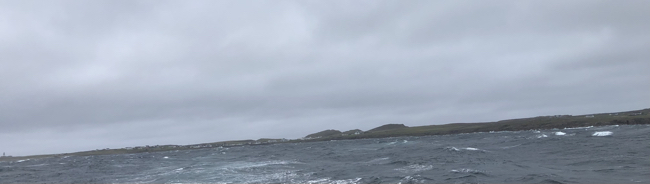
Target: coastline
{"points": [[535, 123]]}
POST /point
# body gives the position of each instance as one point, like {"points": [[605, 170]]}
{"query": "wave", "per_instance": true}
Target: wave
{"points": [[415, 179], [451, 148], [379, 160], [538, 178], [37, 165], [602, 133], [471, 171], [329, 180], [399, 162], [508, 147], [415, 168], [465, 175], [587, 127], [246, 165], [396, 141]]}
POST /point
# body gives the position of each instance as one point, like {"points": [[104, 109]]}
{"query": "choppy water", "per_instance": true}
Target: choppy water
{"points": [[611, 154]]}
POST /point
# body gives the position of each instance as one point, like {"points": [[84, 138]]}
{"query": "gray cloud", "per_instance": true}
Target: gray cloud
{"points": [[89, 75]]}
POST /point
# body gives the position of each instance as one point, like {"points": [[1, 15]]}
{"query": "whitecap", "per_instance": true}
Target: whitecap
{"points": [[411, 179], [603, 133], [415, 168], [471, 171], [328, 180], [166, 157], [542, 136], [452, 149], [322, 180], [560, 133]]}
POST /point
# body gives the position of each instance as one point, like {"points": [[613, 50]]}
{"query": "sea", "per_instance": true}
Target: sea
{"points": [[607, 154]]}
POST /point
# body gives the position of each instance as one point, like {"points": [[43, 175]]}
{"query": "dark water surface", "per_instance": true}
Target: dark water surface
{"points": [[581, 155]]}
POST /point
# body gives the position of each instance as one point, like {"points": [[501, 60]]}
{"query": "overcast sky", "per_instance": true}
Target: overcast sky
{"points": [[84, 75]]}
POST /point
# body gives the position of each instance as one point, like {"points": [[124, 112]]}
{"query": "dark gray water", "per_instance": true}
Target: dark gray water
{"points": [[582, 155]]}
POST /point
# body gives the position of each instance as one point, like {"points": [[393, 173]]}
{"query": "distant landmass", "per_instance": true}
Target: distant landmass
{"points": [[333, 133], [387, 127], [395, 130], [540, 122]]}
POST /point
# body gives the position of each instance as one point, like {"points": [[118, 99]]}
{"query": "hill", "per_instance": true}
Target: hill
{"points": [[324, 133], [352, 132], [540, 122], [387, 127]]}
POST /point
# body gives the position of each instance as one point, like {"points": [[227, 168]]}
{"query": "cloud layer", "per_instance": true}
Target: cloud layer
{"points": [[87, 75]]}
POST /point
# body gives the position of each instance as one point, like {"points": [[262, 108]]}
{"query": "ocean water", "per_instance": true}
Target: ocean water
{"points": [[610, 154]]}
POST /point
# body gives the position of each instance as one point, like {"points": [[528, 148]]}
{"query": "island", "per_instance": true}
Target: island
{"points": [[398, 130]]}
